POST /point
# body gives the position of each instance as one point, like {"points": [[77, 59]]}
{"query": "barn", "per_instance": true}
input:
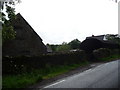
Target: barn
{"points": [[96, 42], [27, 41]]}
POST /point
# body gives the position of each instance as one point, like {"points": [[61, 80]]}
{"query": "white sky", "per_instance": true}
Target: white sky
{"points": [[58, 21]]}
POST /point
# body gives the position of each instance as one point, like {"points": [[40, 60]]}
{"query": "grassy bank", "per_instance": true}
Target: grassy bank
{"points": [[26, 79], [110, 58]]}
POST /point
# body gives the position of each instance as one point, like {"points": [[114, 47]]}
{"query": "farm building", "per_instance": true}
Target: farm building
{"points": [[96, 42], [27, 41]]}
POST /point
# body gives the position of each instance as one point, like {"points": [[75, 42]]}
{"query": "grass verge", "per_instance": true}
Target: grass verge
{"points": [[110, 58], [26, 79]]}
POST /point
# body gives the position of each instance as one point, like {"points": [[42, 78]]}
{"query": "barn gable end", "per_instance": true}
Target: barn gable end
{"points": [[27, 41]]}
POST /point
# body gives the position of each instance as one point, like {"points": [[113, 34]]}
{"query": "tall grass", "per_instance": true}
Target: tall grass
{"points": [[26, 79]]}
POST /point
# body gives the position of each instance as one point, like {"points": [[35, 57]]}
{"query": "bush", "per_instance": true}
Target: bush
{"points": [[104, 52]]}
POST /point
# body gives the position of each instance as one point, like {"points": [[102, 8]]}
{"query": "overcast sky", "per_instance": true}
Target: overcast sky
{"points": [[58, 21]]}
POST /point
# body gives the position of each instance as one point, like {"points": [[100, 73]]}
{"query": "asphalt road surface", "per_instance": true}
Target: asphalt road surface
{"points": [[102, 76]]}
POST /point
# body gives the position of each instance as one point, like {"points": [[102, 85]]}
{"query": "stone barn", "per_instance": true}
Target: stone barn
{"points": [[27, 41]]}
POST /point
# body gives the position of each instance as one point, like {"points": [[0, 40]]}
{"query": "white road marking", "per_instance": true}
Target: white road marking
{"points": [[54, 84]]}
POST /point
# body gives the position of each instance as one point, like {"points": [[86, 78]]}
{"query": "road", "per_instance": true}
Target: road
{"points": [[102, 76]]}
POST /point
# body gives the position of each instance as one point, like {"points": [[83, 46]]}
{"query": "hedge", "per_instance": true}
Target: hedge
{"points": [[104, 52], [20, 64]]}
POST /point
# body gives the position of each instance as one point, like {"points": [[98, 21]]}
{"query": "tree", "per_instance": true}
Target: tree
{"points": [[62, 48], [8, 14], [53, 47], [74, 44], [113, 38]]}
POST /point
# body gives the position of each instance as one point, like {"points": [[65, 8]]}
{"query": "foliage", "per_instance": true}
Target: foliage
{"points": [[53, 47], [20, 81], [103, 53], [8, 32], [64, 47], [110, 58], [20, 64], [36, 75], [54, 65], [8, 14], [113, 38], [74, 44], [26, 79]]}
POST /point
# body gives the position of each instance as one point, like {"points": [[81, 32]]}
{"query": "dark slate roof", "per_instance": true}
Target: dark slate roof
{"points": [[99, 37], [91, 44], [21, 17], [27, 41]]}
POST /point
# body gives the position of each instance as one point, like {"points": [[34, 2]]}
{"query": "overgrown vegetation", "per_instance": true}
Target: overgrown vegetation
{"points": [[113, 38], [26, 79], [110, 58], [48, 70], [8, 14], [63, 47], [104, 54], [21, 64]]}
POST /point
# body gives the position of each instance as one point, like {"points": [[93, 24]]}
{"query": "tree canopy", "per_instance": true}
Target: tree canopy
{"points": [[74, 44], [8, 14], [113, 38], [64, 47]]}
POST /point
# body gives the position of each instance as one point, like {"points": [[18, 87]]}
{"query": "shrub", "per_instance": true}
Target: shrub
{"points": [[102, 52]]}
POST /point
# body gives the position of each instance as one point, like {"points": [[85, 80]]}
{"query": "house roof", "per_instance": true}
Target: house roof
{"points": [[91, 44], [99, 37]]}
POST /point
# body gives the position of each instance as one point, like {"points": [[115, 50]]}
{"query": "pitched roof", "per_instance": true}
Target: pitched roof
{"points": [[21, 17], [27, 41], [99, 37]]}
